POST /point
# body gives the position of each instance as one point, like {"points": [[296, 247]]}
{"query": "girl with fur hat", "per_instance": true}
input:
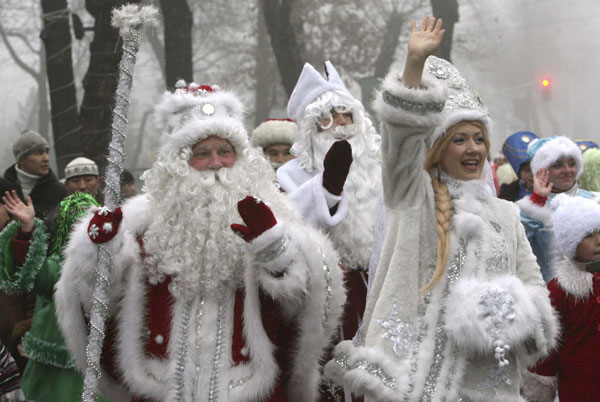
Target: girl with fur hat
{"points": [[457, 304], [50, 374], [573, 367], [556, 163]]}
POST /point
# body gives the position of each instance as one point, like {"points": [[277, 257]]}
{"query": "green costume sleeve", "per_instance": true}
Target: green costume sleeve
{"points": [[21, 279], [47, 277]]}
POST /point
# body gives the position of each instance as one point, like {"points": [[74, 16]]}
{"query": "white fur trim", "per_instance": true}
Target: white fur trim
{"points": [[574, 279], [431, 91], [360, 381], [575, 218], [273, 132], [555, 149], [539, 388], [450, 119], [307, 192], [182, 123], [469, 328], [535, 211]]}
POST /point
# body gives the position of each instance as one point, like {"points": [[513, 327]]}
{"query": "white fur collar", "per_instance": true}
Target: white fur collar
{"points": [[574, 279], [478, 189]]}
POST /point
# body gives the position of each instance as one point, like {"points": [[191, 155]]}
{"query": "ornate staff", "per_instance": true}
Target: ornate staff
{"points": [[129, 19]]}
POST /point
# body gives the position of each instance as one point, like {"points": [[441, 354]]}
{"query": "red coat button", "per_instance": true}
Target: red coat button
{"points": [[598, 299]]}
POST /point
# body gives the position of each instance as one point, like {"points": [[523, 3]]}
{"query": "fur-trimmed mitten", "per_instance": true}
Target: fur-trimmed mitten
{"points": [[336, 166], [256, 215], [104, 225]]}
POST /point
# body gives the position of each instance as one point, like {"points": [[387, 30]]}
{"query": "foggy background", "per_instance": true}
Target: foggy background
{"points": [[503, 48]]}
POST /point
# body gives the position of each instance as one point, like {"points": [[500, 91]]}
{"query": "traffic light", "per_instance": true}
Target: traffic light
{"points": [[546, 87]]}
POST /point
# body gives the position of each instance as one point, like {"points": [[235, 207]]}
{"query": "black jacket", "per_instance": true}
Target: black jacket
{"points": [[45, 195]]}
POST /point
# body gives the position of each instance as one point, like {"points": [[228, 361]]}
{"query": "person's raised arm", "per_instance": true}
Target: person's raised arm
{"points": [[423, 42]]}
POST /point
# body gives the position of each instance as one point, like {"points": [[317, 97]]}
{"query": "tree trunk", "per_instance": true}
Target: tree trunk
{"points": [[448, 11], [100, 81], [59, 64], [288, 52], [262, 104], [391, 38], [178, 41]]}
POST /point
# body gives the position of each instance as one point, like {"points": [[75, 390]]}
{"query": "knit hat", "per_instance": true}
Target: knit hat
{"points": [[543, 152], [29, 141], [194, 112], [463, 103], [310, 85], [574, 219], [515, 148], [273, 131], [584, 145], [81, 167]]}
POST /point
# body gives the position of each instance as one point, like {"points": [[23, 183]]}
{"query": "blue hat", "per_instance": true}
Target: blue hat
{"points": [[545, 151], [584, 145], [515, 148]]}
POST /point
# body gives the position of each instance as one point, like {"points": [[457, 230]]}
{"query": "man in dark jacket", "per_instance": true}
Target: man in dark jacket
{"points": [[31, 174]]}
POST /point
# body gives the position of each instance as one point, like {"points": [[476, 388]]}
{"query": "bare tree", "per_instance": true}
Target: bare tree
{"points": [[447, 10], [56, 36], [178, 40], [288, 51]]}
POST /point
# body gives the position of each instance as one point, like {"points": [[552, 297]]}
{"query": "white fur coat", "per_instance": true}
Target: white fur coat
{"points": [[441, 346], [302, 274]]}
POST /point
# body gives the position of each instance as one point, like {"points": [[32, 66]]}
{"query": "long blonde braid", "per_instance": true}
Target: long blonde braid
{"points": [[443, 202], [443, 215]]}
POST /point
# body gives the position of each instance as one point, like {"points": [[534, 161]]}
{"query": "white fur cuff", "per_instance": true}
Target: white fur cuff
{"points": [[538, 388], [368, 372], [535, 211], [398, 104]]}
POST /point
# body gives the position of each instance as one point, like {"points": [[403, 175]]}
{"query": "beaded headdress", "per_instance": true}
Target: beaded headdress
{"points": [[194, 112], [463, 103]]}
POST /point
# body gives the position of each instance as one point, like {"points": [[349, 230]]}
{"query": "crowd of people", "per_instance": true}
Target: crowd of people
{"points": [[313, 259]]}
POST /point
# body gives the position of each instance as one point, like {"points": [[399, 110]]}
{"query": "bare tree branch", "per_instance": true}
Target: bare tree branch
{"points": [[15, 56]]}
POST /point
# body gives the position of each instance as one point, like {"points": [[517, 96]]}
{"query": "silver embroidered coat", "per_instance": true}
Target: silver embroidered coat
{"points": [[491, 307]]}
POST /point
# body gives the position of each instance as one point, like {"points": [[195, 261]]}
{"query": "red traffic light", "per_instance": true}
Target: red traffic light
{"points": [[545, 82]]}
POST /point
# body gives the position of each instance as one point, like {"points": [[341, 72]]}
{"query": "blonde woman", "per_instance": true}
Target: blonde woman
{"points": [[457, 306]]}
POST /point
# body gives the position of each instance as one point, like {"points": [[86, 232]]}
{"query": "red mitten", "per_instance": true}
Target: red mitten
{"points": [[256, 215], [104, 225], [336, 166]]}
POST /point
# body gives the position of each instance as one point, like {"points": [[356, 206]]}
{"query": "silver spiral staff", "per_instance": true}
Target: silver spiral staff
{"points": [[129, 20]]}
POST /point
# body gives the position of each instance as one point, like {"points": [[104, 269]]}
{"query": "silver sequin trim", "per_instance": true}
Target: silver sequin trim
{"points": [[273, 251], [328, 289], [181, 352], [371, 368], [213, 392], [400, 333], [441, 336], [411, 106]]}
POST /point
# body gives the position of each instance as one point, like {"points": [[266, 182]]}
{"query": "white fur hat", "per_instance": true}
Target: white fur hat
{"points": [[81, 167], [273, 131], [463, 103], [543, 152], [194, 112], [575, 218], [310, 85]]}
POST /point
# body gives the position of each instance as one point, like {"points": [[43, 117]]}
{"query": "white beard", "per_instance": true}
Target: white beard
{"points": [[353, 236], [190, 238]]}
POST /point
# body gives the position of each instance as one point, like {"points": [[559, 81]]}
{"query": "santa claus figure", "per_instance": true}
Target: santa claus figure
{"points": [[275, 137], [212, 298], [336, 176]]}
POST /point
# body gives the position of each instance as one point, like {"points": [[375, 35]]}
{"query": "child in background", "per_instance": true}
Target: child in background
{"points": [[574, 366]]}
